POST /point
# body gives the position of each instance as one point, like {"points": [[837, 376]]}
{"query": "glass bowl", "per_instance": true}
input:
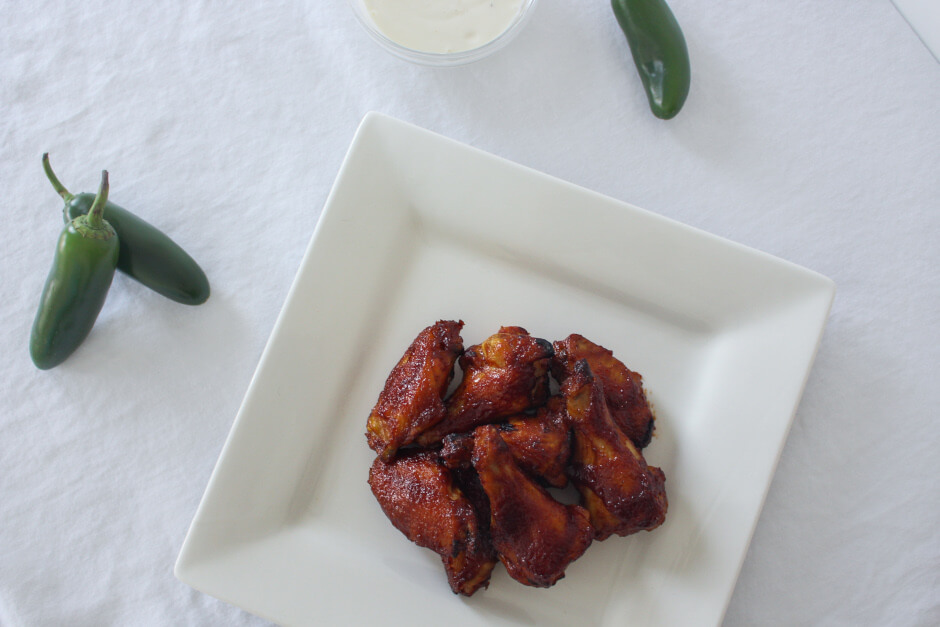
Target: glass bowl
{"points": [[442, 59]]}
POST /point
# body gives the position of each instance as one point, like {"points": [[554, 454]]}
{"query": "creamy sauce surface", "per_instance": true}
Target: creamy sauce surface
{"points": [[442, 25]]}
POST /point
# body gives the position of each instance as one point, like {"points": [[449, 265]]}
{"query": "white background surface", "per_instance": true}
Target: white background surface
{"points": [[924, 18], [811, 132]]}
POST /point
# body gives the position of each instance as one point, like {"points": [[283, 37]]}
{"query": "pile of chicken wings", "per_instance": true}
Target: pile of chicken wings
{"points": [[467, 475]]}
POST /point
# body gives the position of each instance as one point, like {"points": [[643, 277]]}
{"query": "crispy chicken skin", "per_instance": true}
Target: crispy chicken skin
{"points": [[540, 444], [418, 495], [505, 375], [412, 399], [623, 388], [622, 493], [535, 536]]}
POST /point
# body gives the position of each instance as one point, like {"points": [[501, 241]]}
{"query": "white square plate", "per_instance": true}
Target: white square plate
{"points": [[419, 228]]}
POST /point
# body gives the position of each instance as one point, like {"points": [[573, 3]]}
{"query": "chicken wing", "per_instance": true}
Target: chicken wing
{"points": [[535, 536], [623, 388], [418, 495], [505, 375], [622, 493], [540, 444], [412, 399]]}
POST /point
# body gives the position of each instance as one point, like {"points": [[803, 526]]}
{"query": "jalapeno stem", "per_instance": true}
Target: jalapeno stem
{"points": [[56, 184], [95, 217]]}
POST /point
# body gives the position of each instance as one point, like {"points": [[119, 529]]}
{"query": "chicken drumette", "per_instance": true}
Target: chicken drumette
{"points": [[412, 399], [505, 375], [418, 495], [535, 536], [622, 493], [623, 388]]}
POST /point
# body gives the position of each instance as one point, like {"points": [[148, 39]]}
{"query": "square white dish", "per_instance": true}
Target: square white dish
{"points": [[419, 228]]}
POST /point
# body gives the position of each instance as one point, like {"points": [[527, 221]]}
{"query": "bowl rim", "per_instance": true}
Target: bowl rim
{"points": [[440, 59]]}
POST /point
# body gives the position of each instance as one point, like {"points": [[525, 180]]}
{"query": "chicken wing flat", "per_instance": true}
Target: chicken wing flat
{"points": [[622, 493], [535, 536], [505, 375], [623, 388], [412, 399], [419, 497], [540, 444]]}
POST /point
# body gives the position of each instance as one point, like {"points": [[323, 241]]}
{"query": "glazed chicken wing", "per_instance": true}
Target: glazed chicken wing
{"points": [[412, 399], [540, 444], [535, 536], [623, 388], [622, 493], [418, 495], [505, 375]]}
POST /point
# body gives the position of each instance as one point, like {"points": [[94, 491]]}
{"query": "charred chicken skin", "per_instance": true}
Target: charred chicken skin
{"points": [[535, 536], [418, 495], [412, 399], [623, 388], [505, 375], [622, 494], [457, 450]]}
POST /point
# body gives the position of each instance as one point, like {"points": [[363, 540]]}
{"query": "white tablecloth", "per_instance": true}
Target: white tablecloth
{"points": [[812, 132]]}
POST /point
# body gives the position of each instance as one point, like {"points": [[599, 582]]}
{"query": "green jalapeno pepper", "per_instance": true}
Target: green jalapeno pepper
{"points": [[147, 254], [75, 290], [659, 52]]}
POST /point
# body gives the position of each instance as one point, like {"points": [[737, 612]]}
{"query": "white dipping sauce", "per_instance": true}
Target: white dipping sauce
{"points": [[442, 25]]}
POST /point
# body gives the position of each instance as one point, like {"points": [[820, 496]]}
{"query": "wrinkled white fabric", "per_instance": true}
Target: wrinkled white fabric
{"points": [[812, 132]]}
